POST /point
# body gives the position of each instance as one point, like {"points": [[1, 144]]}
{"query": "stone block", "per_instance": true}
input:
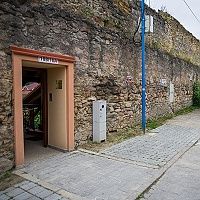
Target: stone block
{"points": [[53, 197], [23, 196], [5, 165], [4, 197], [15, 192]]}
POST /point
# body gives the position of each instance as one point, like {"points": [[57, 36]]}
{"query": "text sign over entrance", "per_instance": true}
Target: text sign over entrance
{"points": [[48, 60]]}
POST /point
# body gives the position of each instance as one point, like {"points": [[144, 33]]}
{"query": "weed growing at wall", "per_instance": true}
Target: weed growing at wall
{"points": [[196, 94], [152, 124]]}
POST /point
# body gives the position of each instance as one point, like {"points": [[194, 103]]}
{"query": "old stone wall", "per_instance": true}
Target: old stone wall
{"points": [[172, 38], [6, 118], [100, 34]]}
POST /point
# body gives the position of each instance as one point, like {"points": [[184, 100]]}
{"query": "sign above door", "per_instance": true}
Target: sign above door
{"points": [[48, 60]]}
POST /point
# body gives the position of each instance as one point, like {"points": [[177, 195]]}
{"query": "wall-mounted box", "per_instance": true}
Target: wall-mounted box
{"points": [[171, 92], [99, 121], [163, 82], [148, 24]]}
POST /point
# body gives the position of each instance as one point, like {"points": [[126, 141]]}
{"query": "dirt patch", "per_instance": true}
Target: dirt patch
{"points": [[112, 139], [8, 180]]}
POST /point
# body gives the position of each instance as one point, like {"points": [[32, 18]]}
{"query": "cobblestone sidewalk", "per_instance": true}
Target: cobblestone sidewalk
{"points": [[181, 181], [156, 148], [120, 173], [28, 190], [91, 177]]}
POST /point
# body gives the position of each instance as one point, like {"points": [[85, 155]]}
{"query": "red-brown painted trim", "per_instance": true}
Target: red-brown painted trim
{"points": [[70, 106], [18, 56], [35, 53], [18, 114]]}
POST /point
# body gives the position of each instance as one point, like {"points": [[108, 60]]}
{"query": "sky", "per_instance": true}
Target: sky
{"points": [[179, 10]]}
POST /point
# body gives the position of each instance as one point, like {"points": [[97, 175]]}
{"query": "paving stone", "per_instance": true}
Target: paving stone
{"points": [[190, 194], [36, 190], [33, 198], [53, 197], [22, 183], [44, 193], [110, 193], [23, 196], [15, 192], [9, 189], [4, 197], [158, 195], [28, 185]]}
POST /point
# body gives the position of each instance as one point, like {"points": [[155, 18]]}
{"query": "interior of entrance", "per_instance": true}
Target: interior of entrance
{"points": [[32, 105]]}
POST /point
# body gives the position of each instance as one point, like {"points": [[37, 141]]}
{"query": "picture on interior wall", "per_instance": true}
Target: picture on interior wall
{"points": [[58, 84]]}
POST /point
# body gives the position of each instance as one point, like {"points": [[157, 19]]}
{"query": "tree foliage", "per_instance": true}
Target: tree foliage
{"points": [[196, 94]]}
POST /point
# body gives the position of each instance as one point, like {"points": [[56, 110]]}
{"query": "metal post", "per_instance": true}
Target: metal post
{"points": [[143, 68]]}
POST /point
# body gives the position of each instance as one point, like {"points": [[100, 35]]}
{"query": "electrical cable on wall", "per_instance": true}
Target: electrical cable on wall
{"points": [[137, 43], [191, 11]]}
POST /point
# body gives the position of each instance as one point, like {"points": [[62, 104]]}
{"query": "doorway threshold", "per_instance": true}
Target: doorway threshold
{"points": [[34, 151]]}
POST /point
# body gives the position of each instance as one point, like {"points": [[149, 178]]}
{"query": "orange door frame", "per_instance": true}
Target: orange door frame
{"points": [[18, 56]]}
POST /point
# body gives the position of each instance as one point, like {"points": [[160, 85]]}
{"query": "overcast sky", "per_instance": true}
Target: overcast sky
{"points": [[181, 12]]}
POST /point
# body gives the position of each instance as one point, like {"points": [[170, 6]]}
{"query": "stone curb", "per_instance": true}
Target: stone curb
{"points": [[119, 159]]}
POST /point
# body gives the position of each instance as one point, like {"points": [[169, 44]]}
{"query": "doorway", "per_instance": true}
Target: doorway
{"points": [[46, 113], [35, 111]]}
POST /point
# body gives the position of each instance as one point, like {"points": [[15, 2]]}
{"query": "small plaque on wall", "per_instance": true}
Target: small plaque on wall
{"points": [[171, 92], [58, 84], [163, 82], [48, 60]]}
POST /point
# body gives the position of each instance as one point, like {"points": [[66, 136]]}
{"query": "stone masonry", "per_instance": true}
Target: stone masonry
{"points": [[101, 35]]}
